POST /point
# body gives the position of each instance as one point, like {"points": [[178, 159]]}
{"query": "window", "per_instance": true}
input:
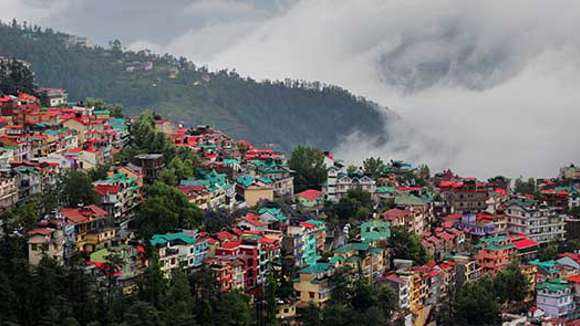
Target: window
{"points": [[34, 247], [311, 294]]}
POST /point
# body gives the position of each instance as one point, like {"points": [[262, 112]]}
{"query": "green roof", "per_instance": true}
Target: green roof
{"points": [[375, 230], [100, 256], [408, 200], [548, 265], [337, 259], [353, 246], [211, 180], [553, 285], [385, 190], [247, 180], [316, 268], [275, 212], [162, 239], [230, 161]]}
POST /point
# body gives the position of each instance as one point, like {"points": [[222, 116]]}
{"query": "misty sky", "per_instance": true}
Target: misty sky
{"points": [[484, 87]]}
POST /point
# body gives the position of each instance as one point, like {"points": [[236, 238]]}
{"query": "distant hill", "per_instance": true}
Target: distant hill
{"points": [[283, 113]]}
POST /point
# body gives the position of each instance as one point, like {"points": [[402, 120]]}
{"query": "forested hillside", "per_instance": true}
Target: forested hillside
{"points": [[283, 113]]}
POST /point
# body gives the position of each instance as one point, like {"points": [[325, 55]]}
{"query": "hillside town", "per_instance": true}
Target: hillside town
{"points": [[123, 199]]}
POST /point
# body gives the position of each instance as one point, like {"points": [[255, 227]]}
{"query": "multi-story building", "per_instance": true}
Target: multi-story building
{"points": [[401, 284], [467, 269], [539, 222], [254, 189], [120, 195], [229, 271], [217, 191], [185, 249], [494, 254], [91, 227], [468, 198], [278, 172], [339, 183], [313, 286], [45, 242], [555, 298], [411, 219], [370, 261], [8, 191]]}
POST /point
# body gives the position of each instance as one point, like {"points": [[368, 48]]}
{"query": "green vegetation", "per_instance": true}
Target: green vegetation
{"points": [[165, 209], [284, 113], [357, 205], [77, 189], [405, 245], [308, 165], [355, 302], [373, 167], [15, 77]]}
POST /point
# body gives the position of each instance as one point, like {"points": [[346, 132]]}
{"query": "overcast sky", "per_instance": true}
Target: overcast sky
{"points": [[484, 87]]}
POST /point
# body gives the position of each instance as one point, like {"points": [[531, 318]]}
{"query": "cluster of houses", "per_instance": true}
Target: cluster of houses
{"points": [[468, 227]]}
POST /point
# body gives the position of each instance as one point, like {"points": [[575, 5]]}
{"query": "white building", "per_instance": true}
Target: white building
{"points": [[338, 184], [538, 222], [555, 298]]}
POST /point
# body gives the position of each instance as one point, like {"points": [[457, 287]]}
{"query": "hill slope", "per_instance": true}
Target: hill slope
{"points": [[284, 113]]}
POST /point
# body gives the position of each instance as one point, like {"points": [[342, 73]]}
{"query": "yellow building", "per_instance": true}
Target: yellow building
{"points": [[255, 193], [313, 285]]}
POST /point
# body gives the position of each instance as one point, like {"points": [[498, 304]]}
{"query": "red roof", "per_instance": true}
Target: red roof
{"points": [[409, 188], [27, 97], [224, 235], [41, 231], [574, 278], [83, 214], [253, 220], [104, 189], [231, 244], [395, 213], [310, 195], [525, 243]]}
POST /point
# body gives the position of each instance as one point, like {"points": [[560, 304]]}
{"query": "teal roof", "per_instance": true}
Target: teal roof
{"points": [[316, 268], [385, 190], [118, 123], [231, 161], [553, 285], [52, 132], [275, 212], [374, 230], [408, 200], [118, 178], [337, 259], [269, 167], [211, 180], [245, 180], [101, 111], [162, 239], [548, 266], [353, 246], [248, 180]]}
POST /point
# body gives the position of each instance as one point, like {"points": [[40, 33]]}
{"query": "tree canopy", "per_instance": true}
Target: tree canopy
{"points": [[308, 165]]}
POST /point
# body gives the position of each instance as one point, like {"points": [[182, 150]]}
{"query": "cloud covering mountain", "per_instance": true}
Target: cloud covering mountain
{"points": [[483, 87]]}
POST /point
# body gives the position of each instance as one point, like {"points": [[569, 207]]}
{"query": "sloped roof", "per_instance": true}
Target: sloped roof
{"points": [[310, 194]]}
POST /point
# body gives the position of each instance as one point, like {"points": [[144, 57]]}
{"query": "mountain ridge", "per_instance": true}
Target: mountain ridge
{"points": [[286, 113]]}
